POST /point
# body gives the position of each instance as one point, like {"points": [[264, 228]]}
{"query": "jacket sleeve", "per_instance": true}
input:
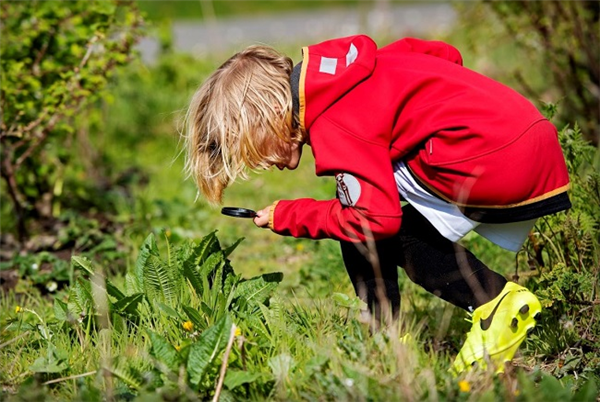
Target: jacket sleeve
{"points": [[429, 47], [368, 203]]}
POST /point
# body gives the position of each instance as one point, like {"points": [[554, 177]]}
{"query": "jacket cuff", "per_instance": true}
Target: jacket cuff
{"points": [[272, 216]]}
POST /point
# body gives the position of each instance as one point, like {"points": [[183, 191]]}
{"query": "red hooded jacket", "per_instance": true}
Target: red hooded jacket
{"points": [[468, 139]]}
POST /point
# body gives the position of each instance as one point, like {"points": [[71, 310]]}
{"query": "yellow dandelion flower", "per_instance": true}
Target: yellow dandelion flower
{"points": [[188, 326], [237, 332], [517, 392], [300, 247], [464, 386], [177, 347], [18, 309]]}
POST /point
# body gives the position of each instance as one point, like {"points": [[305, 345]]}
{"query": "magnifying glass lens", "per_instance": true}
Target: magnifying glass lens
{"points": [[238, 212]]}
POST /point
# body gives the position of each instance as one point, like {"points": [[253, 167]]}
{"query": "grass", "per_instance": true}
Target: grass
{"points": [[318, 343], [313, 346]]}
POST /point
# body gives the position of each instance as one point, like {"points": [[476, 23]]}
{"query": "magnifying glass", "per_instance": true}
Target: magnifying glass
{"points": [[238, 212]]}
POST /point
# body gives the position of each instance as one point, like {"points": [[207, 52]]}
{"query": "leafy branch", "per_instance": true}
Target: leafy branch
{"points": [[56, 59]]}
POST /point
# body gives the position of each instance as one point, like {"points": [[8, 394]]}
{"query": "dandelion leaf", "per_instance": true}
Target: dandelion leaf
{"points": [[164, 352], [235, 378], [128, 304], [257, 290], [205, 351]]}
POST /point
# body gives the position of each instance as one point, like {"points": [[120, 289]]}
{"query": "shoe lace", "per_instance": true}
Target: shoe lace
{"points": [[469, 318]]}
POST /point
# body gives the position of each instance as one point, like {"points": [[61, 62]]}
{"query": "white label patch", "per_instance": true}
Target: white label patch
{"points": [[348, 189], [328, 65], [351, 55]]}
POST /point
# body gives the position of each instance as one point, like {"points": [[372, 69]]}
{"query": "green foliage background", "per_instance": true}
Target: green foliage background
{"points": [[100, 305], [56, 59]]}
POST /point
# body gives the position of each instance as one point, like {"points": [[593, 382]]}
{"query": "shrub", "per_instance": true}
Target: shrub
{"points": [[56, 58]]}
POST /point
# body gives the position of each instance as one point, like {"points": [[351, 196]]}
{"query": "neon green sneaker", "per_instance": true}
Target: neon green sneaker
{"points": [[499, 328]]}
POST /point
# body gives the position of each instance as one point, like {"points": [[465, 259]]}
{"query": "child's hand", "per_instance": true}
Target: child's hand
{"points": [[262, 217]]}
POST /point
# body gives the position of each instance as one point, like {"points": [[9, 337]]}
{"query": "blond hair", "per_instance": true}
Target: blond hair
{"points": [[240, 119]]}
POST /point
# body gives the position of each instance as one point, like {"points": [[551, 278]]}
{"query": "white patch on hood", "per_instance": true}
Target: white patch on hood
{"points": [[328, 65], [351, 55]]}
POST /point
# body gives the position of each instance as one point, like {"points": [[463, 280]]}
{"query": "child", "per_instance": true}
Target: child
{"points": [[406, 122]]}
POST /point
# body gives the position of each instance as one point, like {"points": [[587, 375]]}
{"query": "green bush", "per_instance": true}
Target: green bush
{"points": [[56, 58], [564, 249]]}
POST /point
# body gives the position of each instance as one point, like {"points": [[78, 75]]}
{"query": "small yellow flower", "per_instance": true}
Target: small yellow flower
{"points": [[188, 326], [177, 347], [299, 247], [237, 332], [464, 386], [18, 309], [517, 392]]}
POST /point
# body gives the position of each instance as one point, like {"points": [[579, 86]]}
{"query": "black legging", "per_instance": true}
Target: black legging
{"points": [[440, 266]]}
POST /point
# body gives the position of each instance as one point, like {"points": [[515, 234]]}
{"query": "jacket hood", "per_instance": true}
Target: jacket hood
{"points": [[329, 70]]}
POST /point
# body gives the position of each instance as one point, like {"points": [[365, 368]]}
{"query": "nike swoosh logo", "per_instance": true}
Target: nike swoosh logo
{"points": [[486, 322]]}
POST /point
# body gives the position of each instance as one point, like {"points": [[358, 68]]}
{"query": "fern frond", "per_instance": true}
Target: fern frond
{"points": [[157, 281], [147, 250], [80, 300], [126, 373]]}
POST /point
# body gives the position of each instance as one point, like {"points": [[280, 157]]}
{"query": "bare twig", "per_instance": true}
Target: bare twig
{"points": [[74, 81], [49, 126], [224, 364], [71, 377], [6, 132], [8, 173], [35, 68], [32, 135], [13, 340], [90, 47], [33, 124], [585, 302]]}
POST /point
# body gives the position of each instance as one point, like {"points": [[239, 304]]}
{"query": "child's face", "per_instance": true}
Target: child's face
{"points": [[293, 160]]}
